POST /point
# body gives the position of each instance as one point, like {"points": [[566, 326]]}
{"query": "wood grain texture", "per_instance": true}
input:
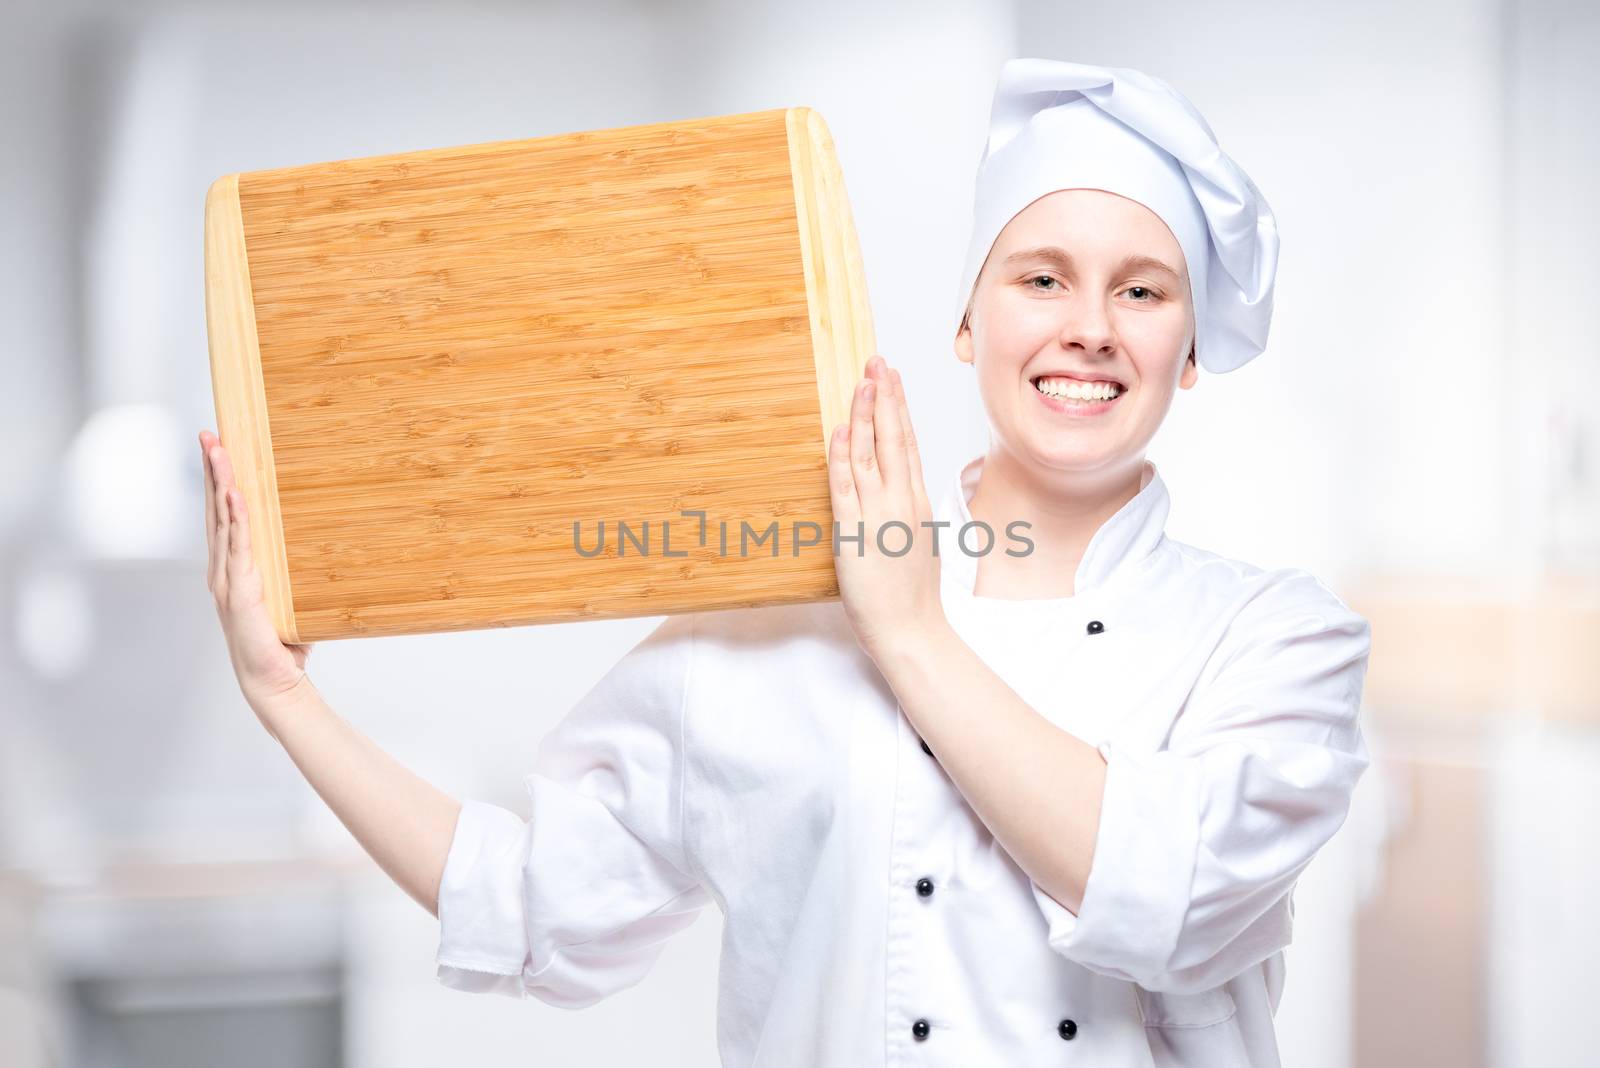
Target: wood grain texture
{"points": [[429, 366]]}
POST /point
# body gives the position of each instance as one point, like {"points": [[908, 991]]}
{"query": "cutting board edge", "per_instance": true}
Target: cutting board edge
{"points": [[239, 395], [836, 290], [805, 594], [567, 136]]}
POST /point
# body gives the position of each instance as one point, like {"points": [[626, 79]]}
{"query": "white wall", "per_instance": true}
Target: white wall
{"points": [[1552, 278], [1546, 873]]}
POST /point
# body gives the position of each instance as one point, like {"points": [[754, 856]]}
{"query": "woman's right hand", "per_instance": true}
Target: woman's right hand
{"points": [[267, 668]]}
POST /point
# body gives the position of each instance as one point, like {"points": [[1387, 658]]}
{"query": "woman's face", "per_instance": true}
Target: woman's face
{"points": [[1063, 295]]}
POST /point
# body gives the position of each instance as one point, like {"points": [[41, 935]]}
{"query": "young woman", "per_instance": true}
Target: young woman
{"points": [[1036, 790]]}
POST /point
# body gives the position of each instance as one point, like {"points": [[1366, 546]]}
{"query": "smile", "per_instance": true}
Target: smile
{"points": [[1077, 398]]}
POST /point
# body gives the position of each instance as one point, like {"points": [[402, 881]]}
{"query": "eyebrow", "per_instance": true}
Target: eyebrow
{"points": [[1060, 256]]}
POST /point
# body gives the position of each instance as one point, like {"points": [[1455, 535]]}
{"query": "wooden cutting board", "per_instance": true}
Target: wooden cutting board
{"points": [[438, 374]]}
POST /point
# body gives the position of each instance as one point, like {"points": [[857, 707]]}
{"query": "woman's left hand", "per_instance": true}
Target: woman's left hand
{"points": [[875, 479]]}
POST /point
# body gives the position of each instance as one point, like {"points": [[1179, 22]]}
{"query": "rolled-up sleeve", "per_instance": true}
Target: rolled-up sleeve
{"points": [[574, 903], [1200, 844]]}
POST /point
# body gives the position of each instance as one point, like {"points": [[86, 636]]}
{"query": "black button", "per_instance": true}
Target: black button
{"points": [[1066, 1029], [1095, 626], [925, 886], [925, 748], [919, 1030]]}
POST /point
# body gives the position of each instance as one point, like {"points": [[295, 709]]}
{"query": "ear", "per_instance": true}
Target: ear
{"points": [[1191, 374], [964, 340]]}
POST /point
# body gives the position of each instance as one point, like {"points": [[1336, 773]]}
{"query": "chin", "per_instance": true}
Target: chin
{"points": [[1070, 451]]}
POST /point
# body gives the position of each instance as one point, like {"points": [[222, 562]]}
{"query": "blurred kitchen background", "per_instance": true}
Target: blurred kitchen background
{"points": [[1423, 433]]}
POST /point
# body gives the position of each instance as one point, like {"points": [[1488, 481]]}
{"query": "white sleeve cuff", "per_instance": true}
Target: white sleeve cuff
{"points": [[1137, 894], [482, 941]]}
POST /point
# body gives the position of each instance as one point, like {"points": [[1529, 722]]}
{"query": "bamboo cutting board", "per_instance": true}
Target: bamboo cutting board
{"points": [[428, 367]]}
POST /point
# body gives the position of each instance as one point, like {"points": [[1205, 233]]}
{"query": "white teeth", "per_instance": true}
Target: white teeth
{"points": [[1072, 389]]}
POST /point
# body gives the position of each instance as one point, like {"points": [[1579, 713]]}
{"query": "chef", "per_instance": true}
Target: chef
{"points": [[1036, 806]]}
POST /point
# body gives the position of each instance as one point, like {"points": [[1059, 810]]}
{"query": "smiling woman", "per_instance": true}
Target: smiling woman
{"points": [[998, 800], [1043, 325], [1163, 791], [1113, 242]]}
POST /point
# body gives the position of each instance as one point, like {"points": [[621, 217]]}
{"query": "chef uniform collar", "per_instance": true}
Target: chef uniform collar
{"points": [[1123, 545]]}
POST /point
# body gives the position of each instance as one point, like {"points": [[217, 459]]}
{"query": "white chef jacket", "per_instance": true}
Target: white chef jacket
{"points": [[757, 758]]}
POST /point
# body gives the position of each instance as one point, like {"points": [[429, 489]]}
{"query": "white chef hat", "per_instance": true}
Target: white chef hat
{"points": [[1059, 125]]}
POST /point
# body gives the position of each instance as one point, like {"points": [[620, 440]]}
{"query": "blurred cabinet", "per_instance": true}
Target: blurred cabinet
{"points": [[191, 965], [1476, 946]]}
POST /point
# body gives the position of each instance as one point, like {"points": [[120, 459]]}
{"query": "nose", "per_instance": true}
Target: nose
{"points": [[1086, 326]]}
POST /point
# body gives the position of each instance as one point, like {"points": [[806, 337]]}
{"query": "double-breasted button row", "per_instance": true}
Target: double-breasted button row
{"points": [[1067, 1029], [920, 1029]]}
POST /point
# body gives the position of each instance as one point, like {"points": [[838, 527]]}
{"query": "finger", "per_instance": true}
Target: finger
{"points": [[890, 439], [842, 481], [241, 520], [211, 505], [226, 481], [863, 449], [219, 562], [224, 466], [913, 451], [238, 537]]}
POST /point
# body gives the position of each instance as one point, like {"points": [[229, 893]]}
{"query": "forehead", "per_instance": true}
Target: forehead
{"points": [[1093, 223]]}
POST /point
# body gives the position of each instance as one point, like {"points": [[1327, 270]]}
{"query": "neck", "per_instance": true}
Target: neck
{"points": [[1064, 510]]}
